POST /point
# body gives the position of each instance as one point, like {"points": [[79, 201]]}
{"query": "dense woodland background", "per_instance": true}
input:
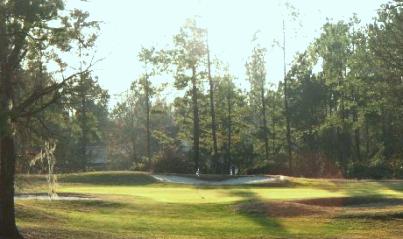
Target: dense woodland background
{"points": [[337, 113]]}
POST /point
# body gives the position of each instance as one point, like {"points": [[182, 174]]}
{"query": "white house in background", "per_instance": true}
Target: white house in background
{"points": [[97, 155]]}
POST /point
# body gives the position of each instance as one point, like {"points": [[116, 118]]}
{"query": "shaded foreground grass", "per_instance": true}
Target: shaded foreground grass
{"points": [[133, 205]]}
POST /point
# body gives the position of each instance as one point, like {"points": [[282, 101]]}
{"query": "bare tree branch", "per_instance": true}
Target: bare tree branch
{"points": [[42, 107], [21, 110]]}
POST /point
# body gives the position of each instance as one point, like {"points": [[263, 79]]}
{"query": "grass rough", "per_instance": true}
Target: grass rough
{"points": [[134, 205]]}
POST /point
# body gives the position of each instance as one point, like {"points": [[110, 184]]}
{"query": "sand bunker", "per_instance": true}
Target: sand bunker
{"points": [[59, 197], [230, 181]]}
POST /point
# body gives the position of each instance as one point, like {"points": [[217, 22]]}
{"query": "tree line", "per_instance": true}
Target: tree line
{"points": [[336, 113]]}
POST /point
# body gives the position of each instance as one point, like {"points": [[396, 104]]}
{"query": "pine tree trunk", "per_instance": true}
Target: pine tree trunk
{"points": [[147, 93], [83, 116], [196, 125], [84, 130], [265, 131], [357, 138], [367, 139], [213, 115], [273, 120], [357, 144], [229, 133], [286, 110]]}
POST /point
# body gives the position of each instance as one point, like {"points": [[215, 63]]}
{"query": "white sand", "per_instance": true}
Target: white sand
{"points": [[54, 198], [231, 181]]}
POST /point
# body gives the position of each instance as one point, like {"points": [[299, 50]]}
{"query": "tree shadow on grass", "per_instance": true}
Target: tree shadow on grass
{"points": [[52, 219], [269, 213], [109, 179], [271, 225], [395, 185], [356, 188], [373, 192], [42, 207]]}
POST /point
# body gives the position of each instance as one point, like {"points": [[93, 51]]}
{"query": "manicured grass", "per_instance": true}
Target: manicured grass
{"points": [[134, 205]]}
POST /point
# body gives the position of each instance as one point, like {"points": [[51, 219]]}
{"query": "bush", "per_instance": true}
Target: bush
{"points": [[173, 160], [316, 165], [278, 165], [362, 171]]}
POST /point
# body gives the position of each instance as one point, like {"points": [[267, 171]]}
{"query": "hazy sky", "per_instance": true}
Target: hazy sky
{"points": [[130, 24]]}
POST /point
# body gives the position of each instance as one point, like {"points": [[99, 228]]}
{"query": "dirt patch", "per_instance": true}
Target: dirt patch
{"points": [[350, 201], [359, 207], [382, 216], [282, 209]]}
